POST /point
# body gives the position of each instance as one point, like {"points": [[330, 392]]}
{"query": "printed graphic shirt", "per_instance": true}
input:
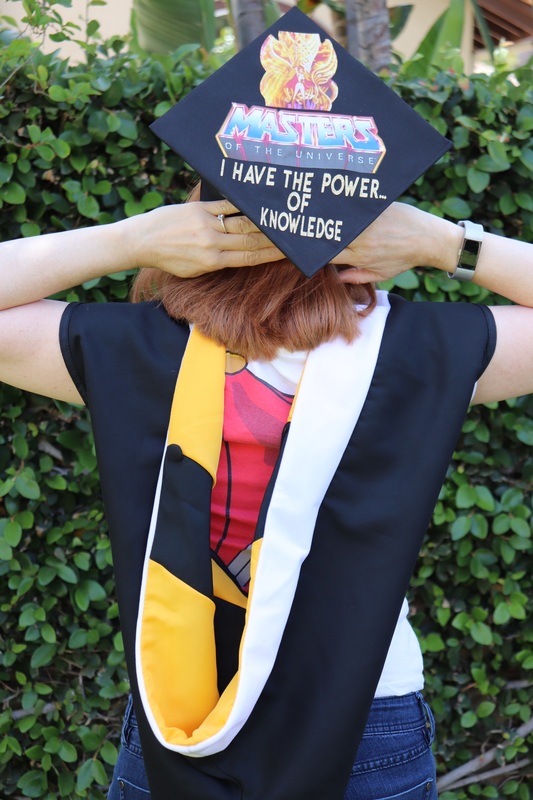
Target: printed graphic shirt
{"points": [[255, 414]]}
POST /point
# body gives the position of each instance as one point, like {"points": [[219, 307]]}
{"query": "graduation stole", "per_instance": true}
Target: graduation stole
{"points": [[175, 640]]}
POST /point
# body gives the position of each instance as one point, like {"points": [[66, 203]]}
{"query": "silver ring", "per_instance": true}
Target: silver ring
{"points": [[220, 218]]}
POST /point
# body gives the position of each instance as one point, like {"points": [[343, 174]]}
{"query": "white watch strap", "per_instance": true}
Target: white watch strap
{"points": [[469, 252]]}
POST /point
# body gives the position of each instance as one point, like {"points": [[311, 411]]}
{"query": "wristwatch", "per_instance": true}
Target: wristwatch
{"points": [[469, 252]]}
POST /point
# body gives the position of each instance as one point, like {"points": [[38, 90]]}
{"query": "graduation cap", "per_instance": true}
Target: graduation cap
{"points": [[302, 138]]}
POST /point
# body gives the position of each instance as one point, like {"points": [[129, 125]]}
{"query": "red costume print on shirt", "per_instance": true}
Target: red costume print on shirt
{"points": [[255, 414]]}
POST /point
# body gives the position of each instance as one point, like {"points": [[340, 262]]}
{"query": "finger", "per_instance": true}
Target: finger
{"points": [[223, 206], [240, 224], [233, 222], [243, 241], [249, 258], [355, 275]]}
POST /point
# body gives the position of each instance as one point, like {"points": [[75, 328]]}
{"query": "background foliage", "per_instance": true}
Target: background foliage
{"points": [[75, 149]]}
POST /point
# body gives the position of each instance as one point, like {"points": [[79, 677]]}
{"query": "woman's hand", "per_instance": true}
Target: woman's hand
{"points": [[402, 237], [189, 239]]}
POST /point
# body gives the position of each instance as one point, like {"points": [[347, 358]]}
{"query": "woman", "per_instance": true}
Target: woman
{"points": [[58, 351]]}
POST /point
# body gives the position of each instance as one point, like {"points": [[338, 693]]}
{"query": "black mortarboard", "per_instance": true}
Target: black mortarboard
{"points": [[303, 139]]}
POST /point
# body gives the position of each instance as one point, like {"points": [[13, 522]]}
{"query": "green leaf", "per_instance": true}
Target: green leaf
{"points": [[511, 498], [34, 132], [66, 779], [481, 633], [82, 561], [27, 616], [77, 639], [518, 526], [109, 753], [79, 161], [45, 152], [13, 193], [407, 280], [466, 496], [468, 720], [12, 533], [67, 574], [84, 776], [162, 108], [478, 569], [477, 180], [456, 208], [20, 446], [480, 526], [443, 36], [57, 93], [498, 153], [43, 655], [507, 552], [27, 486], [507, 204], [81, 597], [57, 482], [33, 784], [524, 200], [48, 634], [128, 127], [102, 187], [485, 709], [484, 29], [443, 616], [92, 27], [460, 527], [68, 753], [486, 163], [151, 200], [164, 25], [526, 157], [484, 498], [88, 207], [398, 16], [433, 643], [30, 229], [6, 173], [525, 431], [98, 772], [60, 148], [501, 614]]}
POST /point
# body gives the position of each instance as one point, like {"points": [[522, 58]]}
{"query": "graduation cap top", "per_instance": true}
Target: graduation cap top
{"points": [[303, 139]]}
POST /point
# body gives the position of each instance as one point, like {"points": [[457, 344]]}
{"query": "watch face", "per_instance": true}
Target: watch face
{"points": [[470, 253]]}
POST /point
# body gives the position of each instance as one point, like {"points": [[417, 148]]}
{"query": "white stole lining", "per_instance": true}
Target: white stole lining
{"points": [[334, 386]]}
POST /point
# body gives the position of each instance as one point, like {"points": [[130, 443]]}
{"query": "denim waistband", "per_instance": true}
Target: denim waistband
{"points": [[398, 713]]}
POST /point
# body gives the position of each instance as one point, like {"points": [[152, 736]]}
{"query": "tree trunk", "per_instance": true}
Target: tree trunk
{"points": [[249, 20], [338, 21], [367, 23]]}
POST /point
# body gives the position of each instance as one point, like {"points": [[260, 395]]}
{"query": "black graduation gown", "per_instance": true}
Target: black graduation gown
{"points": [[302, 735]]}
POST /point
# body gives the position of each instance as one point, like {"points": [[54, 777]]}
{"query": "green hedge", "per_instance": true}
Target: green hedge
{"points": [[472, 593], [76, 150]]}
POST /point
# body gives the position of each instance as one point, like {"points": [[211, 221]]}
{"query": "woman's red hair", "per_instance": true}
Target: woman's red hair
{"points": [[254, 311]]}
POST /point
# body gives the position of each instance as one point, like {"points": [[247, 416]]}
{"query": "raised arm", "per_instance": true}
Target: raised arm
{"points": [[186, 240], [405, 237]]}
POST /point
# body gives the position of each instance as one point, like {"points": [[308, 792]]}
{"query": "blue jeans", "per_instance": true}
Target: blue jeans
{"points": [[394, 760]]}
